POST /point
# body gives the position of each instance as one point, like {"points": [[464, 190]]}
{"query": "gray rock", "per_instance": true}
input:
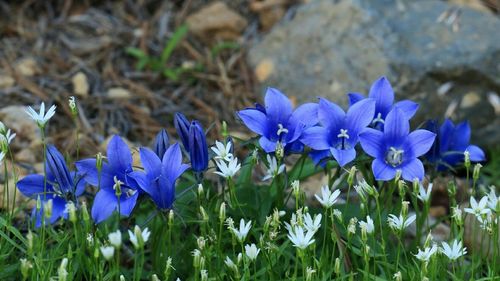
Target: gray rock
{"points": [[434, 53]]}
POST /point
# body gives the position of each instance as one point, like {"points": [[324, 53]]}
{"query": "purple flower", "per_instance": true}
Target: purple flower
{"points": [[198, 149], [396, 148], [452, 141], [117, 168], [61, 186], [278, 122], [161, 143], [381, 91], [338, 134], [161, 174]]}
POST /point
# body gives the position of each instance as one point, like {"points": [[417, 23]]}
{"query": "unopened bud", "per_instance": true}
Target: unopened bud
{"points": [[404, 208], [467, 159], [416, 186], [428, 240], [296, 188], [452, 189], [98, 162], [122, 278], [29, 237], [154, 277], [171, 218], [25, 267], [204, 275], [117, 187], [280, 151], [201, 241], [72, 106], [201, 192], [402, 188], [47, 208], [351, 176], [62, 273], [70, 207], [337, 266], [476, 172], [398, 175], [224, 131], [398, 276], [168, 268], [222, 212], [203, 214], [85, 212]]}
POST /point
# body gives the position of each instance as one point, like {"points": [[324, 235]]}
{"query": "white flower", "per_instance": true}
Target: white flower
{"points": [[454, 251], [6, 138], [364, 189], [115, 239], [229, 263], [251, 251], [41, 118], [300, 238], [138, 237], [327, 198], [242, 233], [108, 252], [400, 223], [273, 170], [229, 169], [493, 199], [426, 254], [424, 195], [90, 239], [62, 273], [368, 225], [222, 152], [478, 209], [310, 224]]}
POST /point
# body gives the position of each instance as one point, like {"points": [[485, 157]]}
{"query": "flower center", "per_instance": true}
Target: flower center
{"points": [[394, 156], [378, 119], [342, 142], [281, 130]]}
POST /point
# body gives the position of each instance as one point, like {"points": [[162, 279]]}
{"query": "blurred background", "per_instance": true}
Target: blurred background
{"points": [[133, 64]]}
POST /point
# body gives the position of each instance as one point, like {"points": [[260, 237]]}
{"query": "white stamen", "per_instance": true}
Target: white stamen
{"points": [[343, 134], [281, 129], [378, 119]]}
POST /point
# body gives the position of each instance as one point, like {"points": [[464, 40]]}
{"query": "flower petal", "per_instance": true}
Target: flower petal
{"points": [[150, 162], [198, 152], [316, 138], [318, 155], [171, 164], [381, 91], [105, 202], [32, 185], [254, 119], [354, 98], [445, 135], [408, 107], [87, 168], [127, 203], [278, 106], [382, 171], [358, 117], [119, 156], [267, 145], [413, 169], [181, 125], [476, 154], [461, 137], [343, 156], [330, 115], [396, 128], [57, 166], [307, 114], [372, 142], [419, 142], [167, 194]]}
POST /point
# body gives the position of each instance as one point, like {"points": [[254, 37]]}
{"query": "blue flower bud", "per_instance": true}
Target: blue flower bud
{"points": [[182, 127], [161, 143], [198, 151]]}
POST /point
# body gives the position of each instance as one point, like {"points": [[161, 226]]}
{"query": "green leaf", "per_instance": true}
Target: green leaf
{"points": [[178, 35], [135, 52]]}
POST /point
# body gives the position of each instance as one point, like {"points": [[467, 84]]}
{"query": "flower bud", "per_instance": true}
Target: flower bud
{"points": [[338, 214], [201, 241], [224, 131], [115, 239], [476, 172], [402, 188], [122, 278], [62, 273], [351, 176], [222, 212], [154, 277], [467, 159], [70, 207], [107, 252], [47, 208], [25, 267], [72, 106], [404, 208], [117, 187], [337, 266], [29, 237], [198, 150], [203, 214], [182, 127], [161, 143], [397, 276], [398, 175], [452, 189], [296, 188], [280, 151], [85, 212], [201, 192], [170, 218], [255, 156], [204, 275], [98, 161], [38, 204], [416, 185]]}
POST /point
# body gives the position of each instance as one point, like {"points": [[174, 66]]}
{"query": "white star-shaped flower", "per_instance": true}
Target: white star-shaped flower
{"points": [[42, 117], [328, 198]]}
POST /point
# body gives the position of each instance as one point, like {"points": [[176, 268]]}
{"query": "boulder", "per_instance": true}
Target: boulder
{"points": [[441, 55]]}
